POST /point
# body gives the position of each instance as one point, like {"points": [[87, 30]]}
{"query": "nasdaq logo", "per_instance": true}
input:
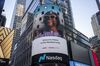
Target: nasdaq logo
{"points": [[42, 58], [49, 58]]}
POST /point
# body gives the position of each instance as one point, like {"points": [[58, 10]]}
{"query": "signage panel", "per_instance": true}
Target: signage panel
{"points": [[75, 63], [50, 58], [49, 44]]}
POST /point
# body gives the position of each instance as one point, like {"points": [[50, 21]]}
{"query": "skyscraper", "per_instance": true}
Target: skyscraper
{"points": [[16, 22], [95, 41], [47, 36], [96, 24]]}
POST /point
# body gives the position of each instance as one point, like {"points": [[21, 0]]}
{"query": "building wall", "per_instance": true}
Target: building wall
{"points": [[6, 38], [96, 24], [30, 21], [23, 47], [95, 44], [95, 41], [2, 20], [16, 24]]}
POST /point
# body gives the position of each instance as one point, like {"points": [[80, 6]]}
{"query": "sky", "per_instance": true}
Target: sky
{"points": [[82, 13], [9, 7]]}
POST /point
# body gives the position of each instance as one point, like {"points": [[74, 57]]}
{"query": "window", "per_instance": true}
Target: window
{"points": [[38, 26], [58, 13], [52, 7], [42, 12], [98, 17], [59, 9], [39, 9], [40, 19]]}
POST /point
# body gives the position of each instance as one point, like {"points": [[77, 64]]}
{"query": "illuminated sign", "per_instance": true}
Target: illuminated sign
{"points": [[50, 58], [49, 44], [6, 38], [74, 63], [45, 57]]}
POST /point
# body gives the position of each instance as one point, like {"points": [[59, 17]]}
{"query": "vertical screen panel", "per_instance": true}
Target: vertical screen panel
{"points": [[80, 53]]}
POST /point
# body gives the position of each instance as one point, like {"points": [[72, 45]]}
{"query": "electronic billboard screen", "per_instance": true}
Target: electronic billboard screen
{"points": [[75, 63], [80, 53], [49, 43]]}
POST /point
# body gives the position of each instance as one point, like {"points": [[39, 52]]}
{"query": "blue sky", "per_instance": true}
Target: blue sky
{"points": [[82, 12], [8, 7]]}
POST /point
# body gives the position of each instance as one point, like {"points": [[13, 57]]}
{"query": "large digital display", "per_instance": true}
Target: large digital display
{"points": [[50, 58], [75, 63], [50, 26], [95, 58], [80, 53], [49, 44]]}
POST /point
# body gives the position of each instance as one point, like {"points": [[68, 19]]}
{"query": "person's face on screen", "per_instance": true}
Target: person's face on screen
{"points": [[52, 20]]}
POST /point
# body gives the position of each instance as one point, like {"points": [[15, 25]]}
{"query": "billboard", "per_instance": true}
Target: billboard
{"points": [[80, 53], [95, 58], [75, 63], [49, 44], [48, 35], [6, 38], [50, 58], [50, 26]]}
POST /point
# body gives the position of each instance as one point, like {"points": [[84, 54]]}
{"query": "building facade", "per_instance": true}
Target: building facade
{"points": [[16, 22], [96, 24], [6, 38], [48, 37], [95, 41]]}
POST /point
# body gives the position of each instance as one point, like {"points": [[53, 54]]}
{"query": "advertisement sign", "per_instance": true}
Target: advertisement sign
{"points": [[74, 63], [49, 44], [50, 58], [95, 58], [80, 53], [48, 25]]}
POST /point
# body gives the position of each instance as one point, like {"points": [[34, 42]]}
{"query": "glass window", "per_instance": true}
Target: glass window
{"points": [[52, 7], [39, 9], [40, 19], [48, 1], [98, 17], [42, 12]]}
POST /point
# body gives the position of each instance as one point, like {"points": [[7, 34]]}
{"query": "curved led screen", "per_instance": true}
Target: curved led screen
{"points": [[49, 44], [49, 34]]}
